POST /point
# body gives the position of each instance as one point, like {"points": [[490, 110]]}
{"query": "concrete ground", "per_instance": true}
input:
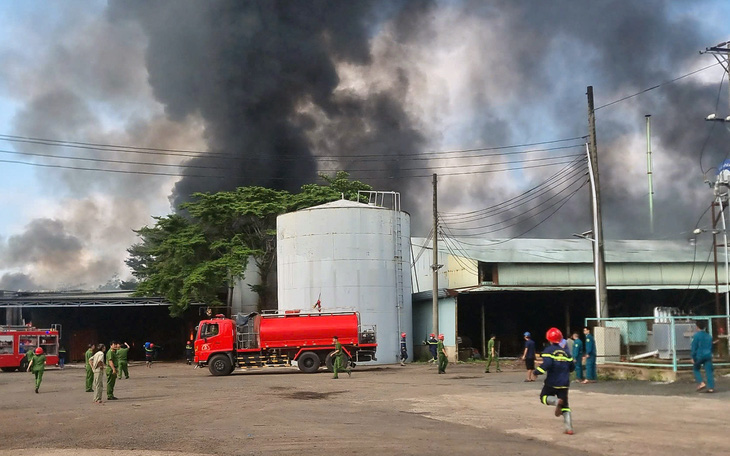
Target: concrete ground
{"points": [[172, 409]]}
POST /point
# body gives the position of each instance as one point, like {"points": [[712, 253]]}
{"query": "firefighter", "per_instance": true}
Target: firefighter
{"points": [[189, 352], [61, 357], [577, 356], [123, 356], [89, 370], [589, 356], [557, 366], [403, 349], [339, 358], [149, 352], [492, 354], [38, 366], [443, 359], [432, 342], [112, 361]]}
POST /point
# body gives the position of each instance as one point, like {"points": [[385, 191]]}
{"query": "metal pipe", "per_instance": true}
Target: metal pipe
{"points": [[650, 172], [594, 202], [727, 271]]}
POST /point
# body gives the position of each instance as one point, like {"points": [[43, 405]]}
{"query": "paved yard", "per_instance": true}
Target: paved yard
{"points": [[173, 409]]}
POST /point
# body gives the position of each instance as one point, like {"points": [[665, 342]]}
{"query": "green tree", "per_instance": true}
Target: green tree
{"points": [[191, 258]]}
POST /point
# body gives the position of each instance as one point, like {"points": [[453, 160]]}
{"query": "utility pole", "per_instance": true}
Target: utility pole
{"points": [[650, 173], [598, 252], [435, 266]]}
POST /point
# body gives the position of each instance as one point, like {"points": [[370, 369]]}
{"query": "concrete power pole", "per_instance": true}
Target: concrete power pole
{"points": [[435, 266], [600, 263]]}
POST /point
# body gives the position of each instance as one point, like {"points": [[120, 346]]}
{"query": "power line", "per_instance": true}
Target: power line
{"points": [[545, 182], [657, 86], [147, 173], [712, 127], [104, 160], [514, 201]]}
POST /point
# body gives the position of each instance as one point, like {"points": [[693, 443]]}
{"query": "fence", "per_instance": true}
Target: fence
{"points": [[656, 341]]}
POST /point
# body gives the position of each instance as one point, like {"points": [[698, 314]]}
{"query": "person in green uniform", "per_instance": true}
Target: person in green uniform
{"points": [[38, 365], [339, 356], [89, 371], [443, 359], [112, 361], [28, 354], [492, 354], [122, 354]]}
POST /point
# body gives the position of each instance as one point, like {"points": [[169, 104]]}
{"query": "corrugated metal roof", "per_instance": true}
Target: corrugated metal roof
{"points": [[574, 250]]}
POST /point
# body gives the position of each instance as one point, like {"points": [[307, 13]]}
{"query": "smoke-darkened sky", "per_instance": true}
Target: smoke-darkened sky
{"points": [[273, 92]]}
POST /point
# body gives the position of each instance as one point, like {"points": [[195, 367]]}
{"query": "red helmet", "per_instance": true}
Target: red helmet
{"points": [[433, 335], [403, 334], [152, 345], [441, 337], [554, 335], [39, 351]]}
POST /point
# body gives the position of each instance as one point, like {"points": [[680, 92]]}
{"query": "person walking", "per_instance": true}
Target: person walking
{"points": [[96, 362], [577, 355], [112, 361], [61, 357], [492, 354], [189, 352], [149, 353], [702, 357], [403, 349], [589, 356], [432, 343], [443, 359], [339, 357], [556, 366], [38, 366], [89, 370], [528, 356], [122, 355]]}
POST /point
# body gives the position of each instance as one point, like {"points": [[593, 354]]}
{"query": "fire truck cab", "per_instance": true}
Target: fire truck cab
{"points": [[16, 341]]}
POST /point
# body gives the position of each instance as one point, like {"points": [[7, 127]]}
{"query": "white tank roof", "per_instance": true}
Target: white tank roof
{"points": [[340, 204]]}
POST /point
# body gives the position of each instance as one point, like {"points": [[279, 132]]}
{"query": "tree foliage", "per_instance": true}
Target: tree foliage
{"points": [[194, 255]]}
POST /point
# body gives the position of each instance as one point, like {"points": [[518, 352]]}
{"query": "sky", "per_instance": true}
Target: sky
{"points": [[221, 94]]}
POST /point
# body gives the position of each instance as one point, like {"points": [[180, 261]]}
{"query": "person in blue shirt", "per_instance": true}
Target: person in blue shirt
{"points": [[529, 357], [589, 356], [577, 355], [556, 366], [702, 356]]}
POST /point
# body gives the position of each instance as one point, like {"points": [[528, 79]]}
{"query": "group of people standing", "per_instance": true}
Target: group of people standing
{"points": [[112, 362]]}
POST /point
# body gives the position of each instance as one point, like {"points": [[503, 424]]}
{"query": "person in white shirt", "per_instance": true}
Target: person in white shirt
{"points": [[97, 366]]}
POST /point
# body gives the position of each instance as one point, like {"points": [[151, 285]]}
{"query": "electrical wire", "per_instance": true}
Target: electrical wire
{"points": [[525, 193], [529, 229], [104, 160], [502, 208], [712, 127], [467, 267], [502, 222], [146, 173], [656, 86]]}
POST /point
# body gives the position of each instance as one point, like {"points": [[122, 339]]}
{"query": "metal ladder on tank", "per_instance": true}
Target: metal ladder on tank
{"points": [[398, 258]]}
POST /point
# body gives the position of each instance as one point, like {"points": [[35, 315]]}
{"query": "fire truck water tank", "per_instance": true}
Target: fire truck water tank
{"points": [[349, 256]]}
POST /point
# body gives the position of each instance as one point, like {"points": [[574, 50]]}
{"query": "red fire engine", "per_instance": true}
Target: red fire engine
{"points": [[15, 341], [278, 338]]}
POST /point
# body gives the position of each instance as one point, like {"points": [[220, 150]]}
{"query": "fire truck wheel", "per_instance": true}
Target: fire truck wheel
{"points": [[220, 365], [308, 362], [330, 360]]}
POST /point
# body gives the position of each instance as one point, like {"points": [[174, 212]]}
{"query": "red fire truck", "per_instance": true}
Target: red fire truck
{"points": [[16, 340], [278, 338]]}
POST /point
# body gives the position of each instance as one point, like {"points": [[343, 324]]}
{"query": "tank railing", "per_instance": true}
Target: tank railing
{"points": [[17, 328], [246, 337], [377, 198]]}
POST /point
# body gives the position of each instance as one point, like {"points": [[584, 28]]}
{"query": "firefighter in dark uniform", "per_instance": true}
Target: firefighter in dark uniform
{"points": [[432, 343], [149, 353], [556, 366], [443, 359], [339, 358], [403, 349], [189, 352]]}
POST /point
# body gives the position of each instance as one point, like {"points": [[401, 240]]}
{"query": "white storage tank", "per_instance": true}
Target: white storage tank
{"points": [[350, 256]]}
